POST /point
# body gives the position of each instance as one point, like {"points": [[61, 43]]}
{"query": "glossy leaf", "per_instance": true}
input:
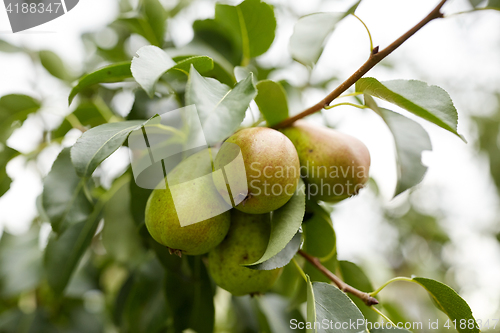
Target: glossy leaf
{"points": [[6, 154], [151, 62], [96, 144], [272, 102], [14, 110], [283, 257], [63, 197], [285, 223], [310, 34], [448, 301], [334, 305], [148, 65], [112, 73], [428, 102], [251, 25], [220, 108], [54, 65], [202, 64], [20, 262], [411, 139], [354, 276]]}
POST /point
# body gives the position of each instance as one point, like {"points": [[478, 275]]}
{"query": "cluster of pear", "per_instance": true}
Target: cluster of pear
{"points": [[334, 166]]}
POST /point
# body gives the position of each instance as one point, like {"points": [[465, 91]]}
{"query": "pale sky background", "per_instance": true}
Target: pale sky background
{"points": [[459, 54]]}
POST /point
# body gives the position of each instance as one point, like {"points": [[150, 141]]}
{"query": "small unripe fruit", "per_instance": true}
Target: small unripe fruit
{"points": [[271, 165], [245, 243], [194, 201], [335, 165]]}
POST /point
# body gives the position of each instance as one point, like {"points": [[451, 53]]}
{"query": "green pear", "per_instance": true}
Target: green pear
{"points": [[271, 170], [245, 243], [335, 165], [186, 212]]}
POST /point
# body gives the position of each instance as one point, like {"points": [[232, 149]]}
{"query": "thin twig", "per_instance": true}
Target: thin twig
{"points": [[375, 57], [365, 297]]}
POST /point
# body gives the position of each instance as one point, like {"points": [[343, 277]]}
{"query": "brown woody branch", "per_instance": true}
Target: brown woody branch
{"points": [[365, 297], [375, 57]]}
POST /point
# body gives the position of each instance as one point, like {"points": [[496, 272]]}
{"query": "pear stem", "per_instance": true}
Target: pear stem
{"points": [[365, 297], [375, 57]]}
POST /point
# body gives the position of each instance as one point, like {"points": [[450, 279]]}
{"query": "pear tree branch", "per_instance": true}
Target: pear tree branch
{"points": [[365, 297], [375, 57]]}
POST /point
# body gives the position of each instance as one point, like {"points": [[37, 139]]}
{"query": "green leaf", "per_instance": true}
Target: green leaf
{"points": [[112, 73], [221, 110], [411, 140], [272, 102], [283, 257], [311, 306], [285, 223], [189, 294], [20, 262], [202, 318], [202, 64], [223, 69], [6, 154], [96, 144], [429, 102], [9, 48], [251, 25], [494, 4], [155, 17], [475, 3], [355, 277], [63, 197], [86, 113], [448, 301], [151, 63], [149, 22], [141, 306], [212, 38], [14, 110], [120, 235], [353, 8], [63, 252], [334, 305], [54, 65], [319, 236], [310, 34], [148, 65]]}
